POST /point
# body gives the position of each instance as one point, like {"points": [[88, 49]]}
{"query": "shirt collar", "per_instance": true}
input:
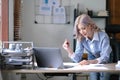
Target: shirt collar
{"points": [[95, 37]]}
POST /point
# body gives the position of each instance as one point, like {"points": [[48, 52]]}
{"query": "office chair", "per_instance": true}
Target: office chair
{"points": [[115, 44]]}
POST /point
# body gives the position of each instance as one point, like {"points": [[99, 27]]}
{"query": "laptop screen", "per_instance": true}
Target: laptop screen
{"points": [[47, 57]]}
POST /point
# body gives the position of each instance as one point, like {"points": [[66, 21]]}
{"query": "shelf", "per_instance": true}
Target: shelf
{"points": [[16, 53], [99, 16]]}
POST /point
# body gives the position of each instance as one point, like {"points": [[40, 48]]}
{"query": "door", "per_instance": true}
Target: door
{"points": [[114, 19], [114, 11]]}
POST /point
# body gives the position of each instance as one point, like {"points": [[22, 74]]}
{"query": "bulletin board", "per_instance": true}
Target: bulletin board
{"points": [[52, 12]]}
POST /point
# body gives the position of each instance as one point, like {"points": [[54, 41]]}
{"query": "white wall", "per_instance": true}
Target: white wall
{"points": [[11, 13]]}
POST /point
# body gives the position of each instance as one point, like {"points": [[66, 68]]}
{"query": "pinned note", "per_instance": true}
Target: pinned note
{"points": [[59, 15]]}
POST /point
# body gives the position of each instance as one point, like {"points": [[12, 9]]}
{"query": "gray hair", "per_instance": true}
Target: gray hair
{"points": [[85, 20]]}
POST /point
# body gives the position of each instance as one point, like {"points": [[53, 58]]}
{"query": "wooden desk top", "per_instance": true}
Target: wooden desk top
{"points": [[77, 69]]}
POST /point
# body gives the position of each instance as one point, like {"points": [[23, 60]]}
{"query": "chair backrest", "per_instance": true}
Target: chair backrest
{"points": [[115, 55]]}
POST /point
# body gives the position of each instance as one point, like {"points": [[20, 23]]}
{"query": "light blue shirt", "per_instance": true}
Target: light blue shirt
{"points": [[98, 48]]}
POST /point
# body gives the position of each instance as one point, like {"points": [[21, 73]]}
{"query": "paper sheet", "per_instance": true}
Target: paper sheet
{"points": [[46, 10], [51, 2], [59, 15], [93, 66]]}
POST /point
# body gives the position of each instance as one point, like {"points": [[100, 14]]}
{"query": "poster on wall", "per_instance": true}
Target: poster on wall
{"points": [[59, 15], [51, 11], [54, 2], [50, 2], [46, 6], [45, 9]]}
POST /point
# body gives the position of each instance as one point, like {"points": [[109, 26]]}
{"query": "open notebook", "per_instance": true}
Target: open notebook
{"points": [[47, 57]]}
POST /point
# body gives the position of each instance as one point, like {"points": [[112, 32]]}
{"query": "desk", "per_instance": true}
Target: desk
{"points": [[77, 69]]}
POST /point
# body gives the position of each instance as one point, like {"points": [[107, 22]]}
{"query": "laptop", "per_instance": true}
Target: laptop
{"points": [[47, 57]]}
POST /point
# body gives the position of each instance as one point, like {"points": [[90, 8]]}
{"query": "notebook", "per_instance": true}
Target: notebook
{"points": [[47, 57]]}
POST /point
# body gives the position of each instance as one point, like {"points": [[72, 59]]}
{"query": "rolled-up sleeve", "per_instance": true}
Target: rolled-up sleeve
{"points": [[77, 55]]}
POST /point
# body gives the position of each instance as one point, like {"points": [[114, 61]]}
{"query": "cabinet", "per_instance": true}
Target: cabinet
{"points": [[114, 11], [17, 55], [113, 6]]}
